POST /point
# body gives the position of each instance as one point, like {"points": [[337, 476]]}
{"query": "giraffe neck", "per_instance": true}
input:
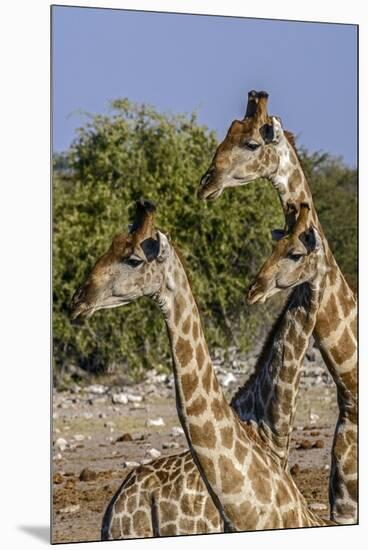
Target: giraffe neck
{"points": [[268, 399], [289, 178], [208, 421], [339, 301]]}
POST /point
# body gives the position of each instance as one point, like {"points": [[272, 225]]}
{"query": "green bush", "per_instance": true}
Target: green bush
{"points": [[334, 189], [113, 161]]}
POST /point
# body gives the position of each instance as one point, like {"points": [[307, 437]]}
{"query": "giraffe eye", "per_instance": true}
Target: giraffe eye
{"points": [[251, 145], [294, 257], [132, 262]]}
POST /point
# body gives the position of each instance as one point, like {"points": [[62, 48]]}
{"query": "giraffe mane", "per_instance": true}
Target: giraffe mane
{"points": [[184, 264], [262, 357]]}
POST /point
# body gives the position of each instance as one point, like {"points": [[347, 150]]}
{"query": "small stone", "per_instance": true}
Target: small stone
{"points": [[317, 506], [305, 444], [295, 470], [124, 437], [87, 475], [326, 467], [313, 417], [97, 389], [70, 509], [171, 445], [87, 415], [130, 464], [319, 444], [57, 478], [61, 443], [155, 422], [120, 398], [314, 433], [78, 437], [228, 379], [137, 406], [176, 431], [57, 456], [134, 398], [153, 453], [101, 415]]}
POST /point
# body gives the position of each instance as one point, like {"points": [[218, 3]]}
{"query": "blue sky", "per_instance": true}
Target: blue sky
{"points": [[181, 63]]}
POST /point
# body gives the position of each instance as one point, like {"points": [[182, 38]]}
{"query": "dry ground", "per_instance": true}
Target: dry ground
{"points": [[91, 423]]}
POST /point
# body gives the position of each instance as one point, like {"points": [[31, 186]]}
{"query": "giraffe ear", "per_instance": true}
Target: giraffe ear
{"points": [[278, 234], [164, 247], [267, 133], [150, 248]]}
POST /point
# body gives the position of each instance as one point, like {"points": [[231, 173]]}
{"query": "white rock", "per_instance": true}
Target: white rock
{"points": [[61, 443], [134, 398], [87, 415], [153, 453], [58, 456], [326, 466], [70, 509], [155, 422], [313, 417], [317, 506], [78, 437], [130, 464], [176, 431], [97, 389], [228, 379], [120, 398], [146, 461], [137, 406]]}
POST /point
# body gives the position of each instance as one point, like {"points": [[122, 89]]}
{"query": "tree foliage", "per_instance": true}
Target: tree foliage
{"points": [[334, 189], [136, 151]]}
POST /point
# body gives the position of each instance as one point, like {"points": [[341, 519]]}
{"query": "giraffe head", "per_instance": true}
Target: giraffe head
{"points": [[296, 259], [135, 265], [248, 151]]}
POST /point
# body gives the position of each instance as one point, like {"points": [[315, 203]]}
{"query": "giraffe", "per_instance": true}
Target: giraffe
{"points": [[232, 480], [258, 147]]}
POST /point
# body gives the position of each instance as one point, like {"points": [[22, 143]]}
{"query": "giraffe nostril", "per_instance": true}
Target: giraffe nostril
{"points": [[204, 179], [76, 298], [207, 176]]}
